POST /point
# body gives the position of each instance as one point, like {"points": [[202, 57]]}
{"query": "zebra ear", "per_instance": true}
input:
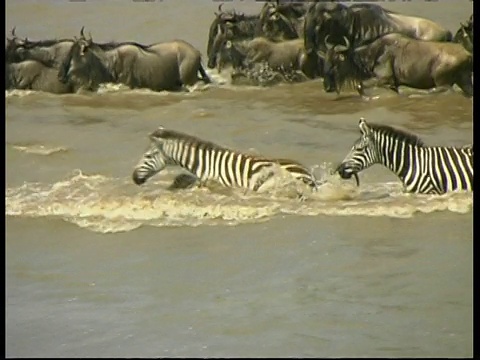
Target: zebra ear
{"points": [[362, 124], [156, 136]]}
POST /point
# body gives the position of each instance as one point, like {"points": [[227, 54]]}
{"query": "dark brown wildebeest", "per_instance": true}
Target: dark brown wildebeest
{"points": [[464, 35], [238, 25], [281, 21], [395, 60], [363, 23], [162, 66]]}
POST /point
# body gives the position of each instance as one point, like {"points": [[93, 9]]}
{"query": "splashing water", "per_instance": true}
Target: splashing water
{"points": [[104, 204]]}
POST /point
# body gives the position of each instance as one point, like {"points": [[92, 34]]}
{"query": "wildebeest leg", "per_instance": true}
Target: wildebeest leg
{"points": [[384, 76], [465, 83], [367, 84], [188, 72], [204, 75]]}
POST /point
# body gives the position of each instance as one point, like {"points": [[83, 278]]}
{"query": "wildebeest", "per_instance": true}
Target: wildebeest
{"points": [[161, 66], [363, 23], [288, 54], [238, 26], [464, 35], [395, 60], [281, 21], [33, 75], [29, 74], [49, 52]]}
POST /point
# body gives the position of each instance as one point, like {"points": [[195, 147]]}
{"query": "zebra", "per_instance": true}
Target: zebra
{"points": [[422, 169], [208, 161]]}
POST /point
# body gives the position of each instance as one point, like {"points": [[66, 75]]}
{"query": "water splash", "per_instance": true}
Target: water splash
{"points": [[104, 204]]}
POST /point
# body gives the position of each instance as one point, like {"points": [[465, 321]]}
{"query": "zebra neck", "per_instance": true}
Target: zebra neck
{"points": [[399, 156]]}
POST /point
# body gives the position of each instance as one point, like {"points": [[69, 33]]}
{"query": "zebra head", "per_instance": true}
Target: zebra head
{"points": [[362, 155], [153, 160]]}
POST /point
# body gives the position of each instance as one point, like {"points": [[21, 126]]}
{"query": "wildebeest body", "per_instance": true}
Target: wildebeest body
{"points": [[33, 75], [362, 24], [162, 66], [288, 54], [395, 60]]}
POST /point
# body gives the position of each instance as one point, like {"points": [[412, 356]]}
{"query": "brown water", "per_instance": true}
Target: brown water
{"points": [[97, 266]]}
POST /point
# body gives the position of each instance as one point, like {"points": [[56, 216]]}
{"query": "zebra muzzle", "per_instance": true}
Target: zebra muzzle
{"points": [[138, 180], [346, 173]]}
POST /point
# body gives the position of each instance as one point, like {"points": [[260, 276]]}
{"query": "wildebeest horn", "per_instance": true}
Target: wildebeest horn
{"points": [[13, 31], [81, 31], [90, 37], [327, 44], [347, 43], [219, 13]]}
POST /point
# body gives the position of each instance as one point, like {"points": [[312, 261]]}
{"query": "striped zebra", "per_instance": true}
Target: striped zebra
{"points": [[209, 161], [422, 169]]}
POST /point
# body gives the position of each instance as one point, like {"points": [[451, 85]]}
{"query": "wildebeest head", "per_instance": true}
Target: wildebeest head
{"points": [[316, 23], [277, 20], [234, 53], [220, 18], [464, 35], [49, 52], [12, 48], [217, 58], [226, 18], [336, 65], [83, 63], [360, 23]]}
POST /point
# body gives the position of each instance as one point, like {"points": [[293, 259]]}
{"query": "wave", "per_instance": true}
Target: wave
{"points": [[38, 149], [105, 204]]}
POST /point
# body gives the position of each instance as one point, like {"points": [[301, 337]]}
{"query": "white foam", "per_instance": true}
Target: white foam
{"points": [[104, 204], [38, 149]]}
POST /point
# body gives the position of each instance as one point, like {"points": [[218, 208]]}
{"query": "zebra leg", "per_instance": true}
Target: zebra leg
{"points": [[262, 180], [184, 181]]}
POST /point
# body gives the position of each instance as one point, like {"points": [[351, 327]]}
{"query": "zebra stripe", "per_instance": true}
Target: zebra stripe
{"points": [[422, 169], [209, 161]]}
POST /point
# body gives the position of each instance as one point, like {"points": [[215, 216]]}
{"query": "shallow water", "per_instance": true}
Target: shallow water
{"points": [[97, 266]]}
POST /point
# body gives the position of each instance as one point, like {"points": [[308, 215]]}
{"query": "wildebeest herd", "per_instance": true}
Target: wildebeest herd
{"points": [[361, 44]]}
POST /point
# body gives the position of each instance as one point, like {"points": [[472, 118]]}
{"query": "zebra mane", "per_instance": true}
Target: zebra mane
{"points": [[167, 134], [398, 134]]}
